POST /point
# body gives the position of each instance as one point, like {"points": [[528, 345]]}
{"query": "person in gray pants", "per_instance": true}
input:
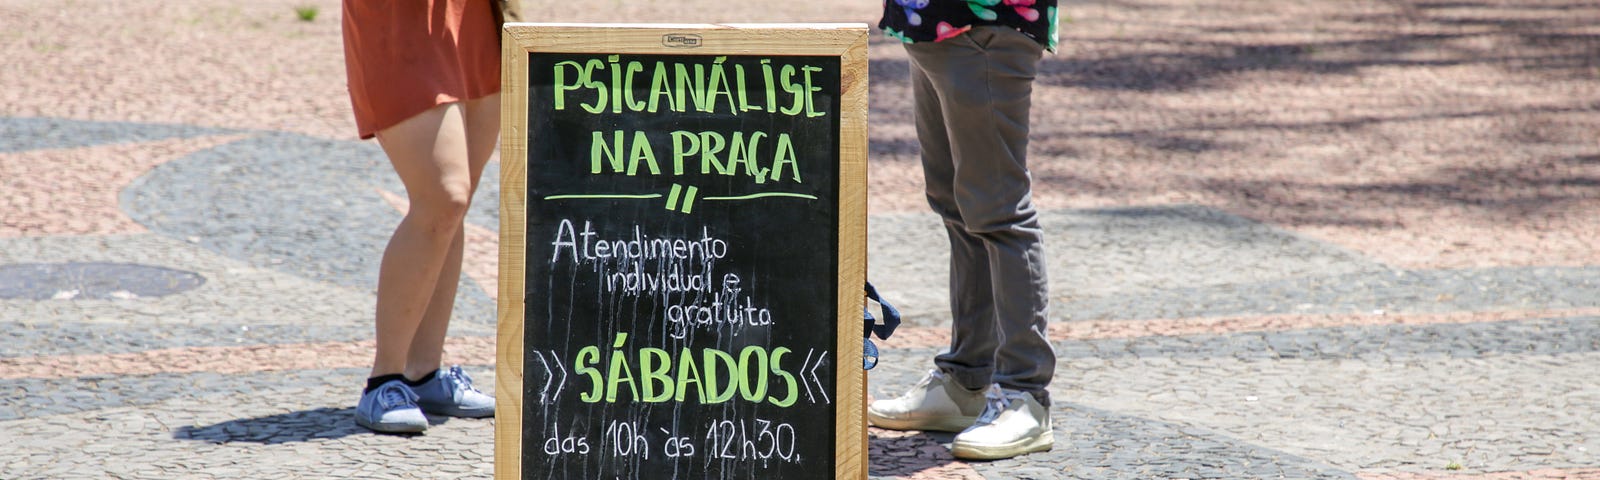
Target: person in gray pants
{"points": [[972, 71]]}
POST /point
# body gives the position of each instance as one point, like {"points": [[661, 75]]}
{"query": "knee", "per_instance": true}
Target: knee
{"points": [[992, 221], [989, 214], [445, 207]]}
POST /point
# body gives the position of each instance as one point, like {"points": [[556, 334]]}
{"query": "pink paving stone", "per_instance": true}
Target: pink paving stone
{"points": [[248, 65], [1543, 474], [231, 360], [73, 191], [918, 337]]}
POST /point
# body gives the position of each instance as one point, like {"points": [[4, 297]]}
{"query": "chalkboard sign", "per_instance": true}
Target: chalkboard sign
{"points": [[682, 252]]}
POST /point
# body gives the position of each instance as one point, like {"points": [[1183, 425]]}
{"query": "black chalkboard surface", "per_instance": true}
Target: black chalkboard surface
{"points": [[681, 260]]}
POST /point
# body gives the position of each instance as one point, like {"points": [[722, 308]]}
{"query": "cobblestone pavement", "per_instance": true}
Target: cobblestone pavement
{"points": [[1305, 239]]}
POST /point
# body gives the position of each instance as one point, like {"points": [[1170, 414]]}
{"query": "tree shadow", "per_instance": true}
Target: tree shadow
{"points": [[1171, 95], [1549, 44], [302, 426], [1514, 195]]}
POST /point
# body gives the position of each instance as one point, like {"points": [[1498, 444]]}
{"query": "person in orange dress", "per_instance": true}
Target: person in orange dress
{"points": [[424, 79]]}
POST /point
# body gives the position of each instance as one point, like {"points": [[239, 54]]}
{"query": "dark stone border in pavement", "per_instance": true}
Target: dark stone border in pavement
{"points": [[92, 280], [288, 202], [21, 134]]}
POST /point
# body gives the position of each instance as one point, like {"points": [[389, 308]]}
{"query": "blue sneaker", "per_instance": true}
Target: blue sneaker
{"points": [[391, 408], [450, 392]]}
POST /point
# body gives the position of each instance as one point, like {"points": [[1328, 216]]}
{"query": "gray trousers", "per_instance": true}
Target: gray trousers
{"points": [[973, 94]]}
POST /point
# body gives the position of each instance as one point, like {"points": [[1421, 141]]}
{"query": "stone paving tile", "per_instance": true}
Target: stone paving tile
{"points": [[228, 310], [229, 360], [328, 219], [1542, 474], [1329, 402], [262, 427], [76, 194], [46, 133]]}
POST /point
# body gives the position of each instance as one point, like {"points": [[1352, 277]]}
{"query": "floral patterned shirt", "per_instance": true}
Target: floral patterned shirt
{"points": [[935, 20]]}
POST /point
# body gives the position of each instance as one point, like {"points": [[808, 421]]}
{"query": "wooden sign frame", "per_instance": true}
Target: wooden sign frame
{"points": [[845, 41]]}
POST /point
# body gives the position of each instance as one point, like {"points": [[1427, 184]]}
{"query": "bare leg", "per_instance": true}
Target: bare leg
{"points": [[429, 152], [481, 118]]}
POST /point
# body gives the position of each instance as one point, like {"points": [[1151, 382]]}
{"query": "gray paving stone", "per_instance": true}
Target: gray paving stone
{"points": [[240, 433], [285, 201], [238, 303], [21, 134]]}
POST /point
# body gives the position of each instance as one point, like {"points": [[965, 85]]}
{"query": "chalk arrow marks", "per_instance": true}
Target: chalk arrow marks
{"points": [[822, 388], [809, 376], [563, 368], [553, 360], [809, 395]]}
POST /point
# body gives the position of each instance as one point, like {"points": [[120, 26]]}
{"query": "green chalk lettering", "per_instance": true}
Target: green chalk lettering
{"points": [[720, 86], [616, 83], [633, 69], [620, 373], [642, 151], [753, 389], [786, 77], [772, 94], [562, 86], [811, 89], [712, 143], [711, 358], [694, 83], [586, 357], [699, 94], [688, 373], [611, 151], [744, 97], [680, 150], [713, 375], [785, 156], [595, 84], [661, 85], [788, 380], [742, 152], [653, 366]]}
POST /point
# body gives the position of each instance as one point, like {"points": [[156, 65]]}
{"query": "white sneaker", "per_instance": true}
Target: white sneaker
{"points": [[934, 403], [1013, 423]]}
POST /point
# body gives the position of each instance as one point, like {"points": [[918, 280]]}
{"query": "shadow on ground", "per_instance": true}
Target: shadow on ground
{"points": [[301, 426], [903, 454]]}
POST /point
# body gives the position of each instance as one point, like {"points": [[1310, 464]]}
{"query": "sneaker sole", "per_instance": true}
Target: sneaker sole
{"points": [[930, 424], [459, 413], [381, 427], [1041, 443]]}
